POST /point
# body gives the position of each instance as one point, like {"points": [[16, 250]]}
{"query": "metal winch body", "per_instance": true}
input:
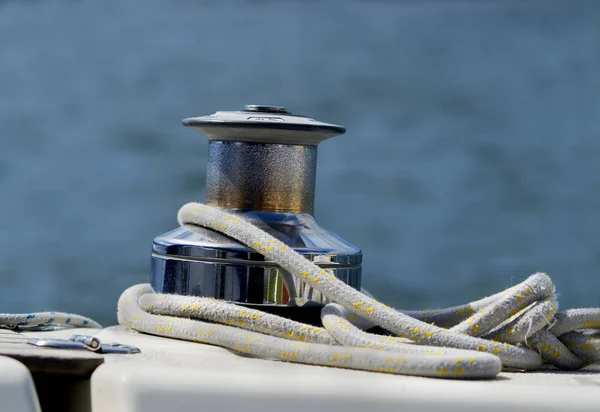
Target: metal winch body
{"points": [[261, 165]]}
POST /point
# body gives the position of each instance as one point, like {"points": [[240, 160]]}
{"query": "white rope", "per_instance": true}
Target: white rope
{"points": [[36, 320], [470, 341]]}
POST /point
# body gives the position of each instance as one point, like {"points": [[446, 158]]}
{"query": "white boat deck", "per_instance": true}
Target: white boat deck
{"points": [[171, 375]]}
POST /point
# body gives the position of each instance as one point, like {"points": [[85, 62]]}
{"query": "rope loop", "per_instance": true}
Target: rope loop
{"points": [[518, 328]]}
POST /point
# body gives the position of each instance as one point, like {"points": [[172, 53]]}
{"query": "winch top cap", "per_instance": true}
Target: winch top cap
{"points": [[264, 124]]}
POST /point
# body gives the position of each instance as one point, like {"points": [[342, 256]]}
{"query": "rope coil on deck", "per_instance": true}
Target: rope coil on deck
{"points": [[517, 329]]}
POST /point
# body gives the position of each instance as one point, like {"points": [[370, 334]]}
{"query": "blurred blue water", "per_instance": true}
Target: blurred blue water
{"points": [[471, 158]]}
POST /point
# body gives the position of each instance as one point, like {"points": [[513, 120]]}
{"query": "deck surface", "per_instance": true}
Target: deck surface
{"points": [[170, 374]]}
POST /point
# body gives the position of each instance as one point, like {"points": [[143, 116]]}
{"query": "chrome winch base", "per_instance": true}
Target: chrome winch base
{"points": [[241, 283], [199, 262]]}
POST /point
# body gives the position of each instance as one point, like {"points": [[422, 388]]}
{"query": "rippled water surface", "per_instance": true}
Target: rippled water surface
{"points": [[472, 156]]}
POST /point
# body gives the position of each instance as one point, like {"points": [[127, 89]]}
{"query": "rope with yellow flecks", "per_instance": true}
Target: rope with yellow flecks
{"points": [[518, 328]]}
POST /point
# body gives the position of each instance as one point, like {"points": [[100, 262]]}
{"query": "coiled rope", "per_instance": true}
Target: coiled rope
{"points": [[515, 329]]}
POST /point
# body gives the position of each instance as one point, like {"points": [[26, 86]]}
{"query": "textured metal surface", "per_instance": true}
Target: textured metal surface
{"points": [[244, 283], [261, 177]]}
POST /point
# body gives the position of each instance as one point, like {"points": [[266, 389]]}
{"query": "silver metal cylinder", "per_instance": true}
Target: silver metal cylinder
{"points": [[261, 165], [261, 176], [201, 262]]}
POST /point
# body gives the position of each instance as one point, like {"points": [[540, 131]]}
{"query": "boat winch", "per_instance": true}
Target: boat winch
{"points": [[262, 163]]}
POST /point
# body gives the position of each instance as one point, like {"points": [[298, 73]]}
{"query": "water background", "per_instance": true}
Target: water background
{"points": [[472, 157]]}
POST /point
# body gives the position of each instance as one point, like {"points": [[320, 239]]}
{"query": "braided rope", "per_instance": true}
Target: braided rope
{"points": [[45, 319], [518, 328]]}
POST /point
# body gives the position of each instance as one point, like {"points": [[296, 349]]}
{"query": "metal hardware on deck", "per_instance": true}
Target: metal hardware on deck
{"points": [[91, 342], [85, 342], [262, 164]]}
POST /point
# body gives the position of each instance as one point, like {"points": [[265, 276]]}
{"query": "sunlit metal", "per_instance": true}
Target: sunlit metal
{"points": [[262, 165]]}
